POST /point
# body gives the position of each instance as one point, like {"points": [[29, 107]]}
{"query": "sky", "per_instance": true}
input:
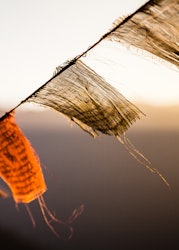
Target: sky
{"points": [[39, 35]]}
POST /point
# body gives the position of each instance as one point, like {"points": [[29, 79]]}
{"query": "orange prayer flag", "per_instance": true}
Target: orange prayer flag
{"points": [[20, 169], [19, 165]]}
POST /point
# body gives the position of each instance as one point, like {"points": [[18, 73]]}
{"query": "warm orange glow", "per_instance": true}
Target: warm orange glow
{"points": [[19, 165]]}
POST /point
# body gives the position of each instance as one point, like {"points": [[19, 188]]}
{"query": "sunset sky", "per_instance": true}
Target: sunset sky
{"points": [[37, 36]]}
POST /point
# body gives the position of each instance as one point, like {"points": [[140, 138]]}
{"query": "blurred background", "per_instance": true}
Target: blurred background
{"points": [[126, 206]]}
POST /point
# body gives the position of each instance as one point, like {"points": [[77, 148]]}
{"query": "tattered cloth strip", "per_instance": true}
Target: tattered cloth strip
{"points": [[83, 96], [19, 165], [20, 169], [154, 28]]}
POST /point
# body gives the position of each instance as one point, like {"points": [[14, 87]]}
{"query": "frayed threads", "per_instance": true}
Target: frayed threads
{"points": [[137, 155], [52, 219]]}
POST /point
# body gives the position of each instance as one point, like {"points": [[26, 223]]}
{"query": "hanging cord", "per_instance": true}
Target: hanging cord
{"points": [[73, 61]]}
